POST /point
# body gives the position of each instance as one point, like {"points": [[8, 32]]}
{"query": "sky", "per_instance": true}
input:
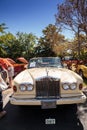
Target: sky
{"points": [[29, 16]]}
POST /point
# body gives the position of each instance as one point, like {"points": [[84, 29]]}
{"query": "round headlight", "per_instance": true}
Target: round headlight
{"points": [[29, 87], [65, 86], [73, 86], [22, 87]]}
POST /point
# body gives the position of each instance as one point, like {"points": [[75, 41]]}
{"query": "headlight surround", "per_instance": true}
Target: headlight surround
{"points": [[29, 87], [26, 87], [67, 86], [22, 87], [73, 86]]}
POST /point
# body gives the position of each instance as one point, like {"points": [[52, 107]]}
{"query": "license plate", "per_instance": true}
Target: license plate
{"points": [[50, 121], [48, 104]]}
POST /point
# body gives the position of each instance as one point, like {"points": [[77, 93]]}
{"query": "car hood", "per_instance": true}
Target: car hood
{"points": [[30, 75]]}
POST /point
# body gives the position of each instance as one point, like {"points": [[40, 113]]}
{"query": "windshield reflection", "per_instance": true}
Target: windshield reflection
{"points": [[45, 62]]}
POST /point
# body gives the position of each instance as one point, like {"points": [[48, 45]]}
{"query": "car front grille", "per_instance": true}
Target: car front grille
{"points": [[47, 88]]}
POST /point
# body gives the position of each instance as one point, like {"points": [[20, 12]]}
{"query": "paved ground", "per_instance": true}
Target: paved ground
{"points": [[33, 118], [82, 112]]}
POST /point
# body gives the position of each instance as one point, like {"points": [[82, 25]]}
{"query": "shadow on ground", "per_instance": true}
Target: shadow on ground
{"points": [[33, 118]]}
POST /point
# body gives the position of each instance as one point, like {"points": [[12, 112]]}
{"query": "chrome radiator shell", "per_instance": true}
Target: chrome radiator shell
{"points": [[47, 87]]}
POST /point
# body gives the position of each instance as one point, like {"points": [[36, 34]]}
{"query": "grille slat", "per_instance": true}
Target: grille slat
{"points": [[47, 88]]}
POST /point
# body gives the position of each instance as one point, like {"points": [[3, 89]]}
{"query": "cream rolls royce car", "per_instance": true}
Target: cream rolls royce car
{"points": [[47, 83]]}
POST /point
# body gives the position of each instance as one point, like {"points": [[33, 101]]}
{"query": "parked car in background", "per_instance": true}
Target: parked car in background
{"points": [[70, 62], [82, 70], [48, 84], [18, 67]]}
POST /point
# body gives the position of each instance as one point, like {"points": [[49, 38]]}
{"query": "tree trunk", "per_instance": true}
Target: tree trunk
{"points": [[79, 45]]}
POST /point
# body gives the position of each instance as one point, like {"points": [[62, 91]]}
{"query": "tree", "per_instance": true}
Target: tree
{"points": [[72, 14], [2, 27], [28, 42], [51, 39], [2, 30], [6, 41], [83, 41]]}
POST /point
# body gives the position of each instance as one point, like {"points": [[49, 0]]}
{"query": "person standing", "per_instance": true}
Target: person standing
{"points": [[2, 112], [10, 74], [3, 86], [3, 72]]}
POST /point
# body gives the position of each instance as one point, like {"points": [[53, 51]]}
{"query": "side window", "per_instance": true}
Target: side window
{"points": [[32, 64]]}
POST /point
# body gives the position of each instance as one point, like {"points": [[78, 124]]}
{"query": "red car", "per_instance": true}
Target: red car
{"points": [[18, 67]]}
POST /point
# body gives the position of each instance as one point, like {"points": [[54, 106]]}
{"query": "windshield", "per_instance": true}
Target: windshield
{"points": [[45, 62]]}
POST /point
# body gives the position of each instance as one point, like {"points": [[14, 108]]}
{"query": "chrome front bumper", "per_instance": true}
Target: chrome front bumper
{"points": [[60, 101]]}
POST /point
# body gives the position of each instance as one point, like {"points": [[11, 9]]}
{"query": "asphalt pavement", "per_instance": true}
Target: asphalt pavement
{"points": [[34, 118]]}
